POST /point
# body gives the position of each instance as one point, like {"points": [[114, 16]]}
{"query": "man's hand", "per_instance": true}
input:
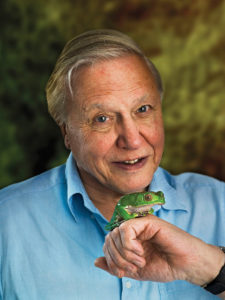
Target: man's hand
{"points": [[149, 248]]}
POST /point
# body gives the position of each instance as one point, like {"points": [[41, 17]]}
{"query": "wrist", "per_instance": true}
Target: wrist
{"points": [[217, 285], [206, 265]]}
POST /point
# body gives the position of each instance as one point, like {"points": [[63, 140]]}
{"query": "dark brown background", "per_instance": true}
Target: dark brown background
{"points": [[186, 41]]}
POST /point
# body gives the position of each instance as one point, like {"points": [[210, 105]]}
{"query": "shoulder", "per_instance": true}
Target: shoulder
{"points": [[189, 180], [198, 186], [31, 187], [195, 180], [196, 189], [192, 187]]}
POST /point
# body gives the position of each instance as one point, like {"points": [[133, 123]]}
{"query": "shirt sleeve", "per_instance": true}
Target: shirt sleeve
{"points": [[1, 295]]}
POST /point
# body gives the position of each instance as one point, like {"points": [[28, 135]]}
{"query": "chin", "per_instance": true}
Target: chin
{"points": [[133, 188], [139, 185]]}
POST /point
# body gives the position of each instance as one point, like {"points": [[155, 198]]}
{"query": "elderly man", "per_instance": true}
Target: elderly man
{"points": [[106, 96]]}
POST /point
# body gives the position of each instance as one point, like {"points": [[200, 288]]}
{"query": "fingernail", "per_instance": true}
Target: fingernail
{"points": [[96, 262], [120, 274]]}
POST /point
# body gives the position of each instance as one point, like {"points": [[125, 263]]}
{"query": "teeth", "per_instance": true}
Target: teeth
{"points": [[131, 162]]}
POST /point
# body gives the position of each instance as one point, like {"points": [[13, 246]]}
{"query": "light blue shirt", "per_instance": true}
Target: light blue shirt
{"points": [[51, 234]]}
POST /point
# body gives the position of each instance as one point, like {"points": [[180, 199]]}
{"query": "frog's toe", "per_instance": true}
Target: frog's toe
{"points": [[151, 211]]}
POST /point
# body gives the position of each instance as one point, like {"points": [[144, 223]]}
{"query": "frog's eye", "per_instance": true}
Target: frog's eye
{"points": [[148, 197]]}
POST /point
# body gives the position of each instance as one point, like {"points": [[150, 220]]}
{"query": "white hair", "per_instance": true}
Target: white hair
{"points": [[84, 50]]}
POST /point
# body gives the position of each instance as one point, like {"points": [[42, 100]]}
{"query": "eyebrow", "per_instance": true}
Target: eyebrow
{"points": [[103, 107]]}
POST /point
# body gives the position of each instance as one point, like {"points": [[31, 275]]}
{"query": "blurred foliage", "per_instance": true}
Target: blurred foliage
{"points": [[185, 40]]}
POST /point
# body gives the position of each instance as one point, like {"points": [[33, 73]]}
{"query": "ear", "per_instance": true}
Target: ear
{"points": [[64, 131]]}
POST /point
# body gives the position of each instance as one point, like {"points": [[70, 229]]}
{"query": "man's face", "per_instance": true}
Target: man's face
{"points": [[114, 126]]}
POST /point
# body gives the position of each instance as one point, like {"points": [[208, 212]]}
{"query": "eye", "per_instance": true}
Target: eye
{"points": [[101, 119], [148, 197], [144, 108]]}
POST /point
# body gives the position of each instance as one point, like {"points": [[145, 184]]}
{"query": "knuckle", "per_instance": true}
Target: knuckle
{"points": [[128, 255], [111, 265], [123, 227], [125, 238], [107, 238], [114, 268], [115, 232]]}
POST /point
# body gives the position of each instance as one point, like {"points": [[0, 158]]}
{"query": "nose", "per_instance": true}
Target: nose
{"points": [[129, 136]]}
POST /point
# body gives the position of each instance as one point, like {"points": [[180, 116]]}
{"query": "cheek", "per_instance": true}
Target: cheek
{"points": [[159, 136], [91, 145], [78, 144], [155, 135], [159, 130], [100, 145]]}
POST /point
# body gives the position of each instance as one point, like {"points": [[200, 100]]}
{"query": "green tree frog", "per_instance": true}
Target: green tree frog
{"points": [[134, 205]]}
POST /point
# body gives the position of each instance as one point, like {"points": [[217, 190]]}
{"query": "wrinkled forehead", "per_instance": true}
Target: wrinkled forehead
{"points": [[74, 71], [113, 73]]}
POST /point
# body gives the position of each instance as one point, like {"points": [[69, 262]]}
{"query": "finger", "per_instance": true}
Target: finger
{"points": [[101, 263], [114, 258], [129, 237], [128, 255], [134, 232], [112, 267]]}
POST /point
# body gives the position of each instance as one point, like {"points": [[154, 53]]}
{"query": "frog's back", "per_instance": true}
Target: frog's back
{"points": [[133, 199]]}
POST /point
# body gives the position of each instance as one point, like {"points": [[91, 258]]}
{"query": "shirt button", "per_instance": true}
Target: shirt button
{"points": [[128, 284]]}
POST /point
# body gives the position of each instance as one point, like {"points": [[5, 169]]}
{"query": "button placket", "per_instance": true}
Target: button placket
{"points": [[128, 284]]}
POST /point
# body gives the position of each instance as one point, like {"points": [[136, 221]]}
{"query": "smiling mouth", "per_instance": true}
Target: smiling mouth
{"points": [[131, 162]]}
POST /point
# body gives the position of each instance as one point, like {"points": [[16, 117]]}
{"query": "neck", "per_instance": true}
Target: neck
{"points": [[105, 200]]}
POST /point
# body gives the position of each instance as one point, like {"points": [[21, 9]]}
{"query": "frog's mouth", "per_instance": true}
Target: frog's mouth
{"points": [[140, 209]]}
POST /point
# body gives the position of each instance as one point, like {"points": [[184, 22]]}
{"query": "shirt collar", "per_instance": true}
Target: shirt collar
{"points": [[76, 191], [163, 181], [74, 183]]}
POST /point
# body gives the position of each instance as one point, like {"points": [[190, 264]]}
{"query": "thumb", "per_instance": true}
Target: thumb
{"points": [[100, 262]]}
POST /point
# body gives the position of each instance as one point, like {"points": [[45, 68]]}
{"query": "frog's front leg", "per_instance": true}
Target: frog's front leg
{"points": [[124, 214], [150, 212]]}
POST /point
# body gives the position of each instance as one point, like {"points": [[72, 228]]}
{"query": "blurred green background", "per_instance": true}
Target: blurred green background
{"points": [[186, 41]]}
